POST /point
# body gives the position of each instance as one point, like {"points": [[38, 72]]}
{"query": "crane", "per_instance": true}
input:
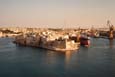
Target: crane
{"points": [[111, 29]]}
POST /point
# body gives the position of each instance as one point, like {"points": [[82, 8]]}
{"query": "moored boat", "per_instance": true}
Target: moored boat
{"points": [[85, 40]]}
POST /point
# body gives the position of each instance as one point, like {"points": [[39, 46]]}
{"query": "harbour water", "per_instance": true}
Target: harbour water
{"points": [[96, 61]]}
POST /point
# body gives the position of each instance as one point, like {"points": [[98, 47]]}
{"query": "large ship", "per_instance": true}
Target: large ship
{"points": [[85, 40]]}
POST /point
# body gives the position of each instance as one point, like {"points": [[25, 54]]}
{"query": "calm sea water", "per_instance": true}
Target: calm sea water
{"points": [[95, 61]]}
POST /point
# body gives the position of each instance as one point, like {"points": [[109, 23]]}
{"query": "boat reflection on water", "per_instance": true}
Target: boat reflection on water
{"points": [[111, 43]]}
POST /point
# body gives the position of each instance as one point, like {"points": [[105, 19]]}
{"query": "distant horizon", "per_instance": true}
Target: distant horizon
{"points": [[86, 27], [57, 13]]}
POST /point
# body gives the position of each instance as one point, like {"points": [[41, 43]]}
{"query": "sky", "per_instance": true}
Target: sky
{"points": [[57, 13]]}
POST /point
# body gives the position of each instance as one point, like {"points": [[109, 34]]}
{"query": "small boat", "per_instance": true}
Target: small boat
{"points": [[85, 40], [96, 35]]}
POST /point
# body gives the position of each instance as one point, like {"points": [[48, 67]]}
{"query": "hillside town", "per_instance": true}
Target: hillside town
{"points": [[56, 39]]}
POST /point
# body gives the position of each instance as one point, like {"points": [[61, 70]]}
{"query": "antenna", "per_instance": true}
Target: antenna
{"points": [[108, 23]]}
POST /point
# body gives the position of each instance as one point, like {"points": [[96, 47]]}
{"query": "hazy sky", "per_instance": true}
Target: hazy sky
{"points": [[56, 13]]}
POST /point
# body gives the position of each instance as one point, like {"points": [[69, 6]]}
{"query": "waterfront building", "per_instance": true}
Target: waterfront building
{"points": [[49, 40]]}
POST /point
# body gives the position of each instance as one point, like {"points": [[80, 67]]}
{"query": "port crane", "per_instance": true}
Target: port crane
{"points": [[111, 30]]}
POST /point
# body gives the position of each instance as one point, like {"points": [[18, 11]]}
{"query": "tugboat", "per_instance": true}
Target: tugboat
{"points": [[85, 40]]}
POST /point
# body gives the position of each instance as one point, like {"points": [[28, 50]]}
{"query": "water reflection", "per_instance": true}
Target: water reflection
{"points": [[111, 44], [52, 58], [34, 61], [53, 55], [68, 55], [48, 59]]}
